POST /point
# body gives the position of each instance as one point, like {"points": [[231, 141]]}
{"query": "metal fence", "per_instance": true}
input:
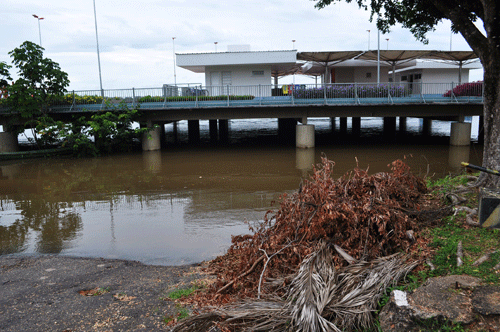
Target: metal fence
{"points": [[196, 95]]}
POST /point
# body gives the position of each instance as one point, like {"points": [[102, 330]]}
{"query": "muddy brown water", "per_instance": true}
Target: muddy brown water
{"points": [[182, 204]]}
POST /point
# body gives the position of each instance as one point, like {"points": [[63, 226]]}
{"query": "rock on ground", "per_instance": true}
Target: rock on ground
{"points": [[457, 298]]}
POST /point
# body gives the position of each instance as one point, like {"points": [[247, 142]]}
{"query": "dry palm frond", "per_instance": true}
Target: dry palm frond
{"points": [[320, 298], [311, 291]]}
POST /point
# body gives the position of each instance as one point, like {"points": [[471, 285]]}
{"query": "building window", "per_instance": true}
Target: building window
{"points": [[226, 78], [257, 73], [417, 76], [368, 75], [404, 78]]}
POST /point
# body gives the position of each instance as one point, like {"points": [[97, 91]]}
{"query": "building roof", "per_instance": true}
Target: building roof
{"points": [[196, 62]]}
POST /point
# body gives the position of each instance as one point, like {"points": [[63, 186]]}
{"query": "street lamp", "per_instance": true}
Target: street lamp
{"points": [[173, 52], [293, 44], [215, 43], [368, 39], [387, 43], [98, 57], [39, 32]]}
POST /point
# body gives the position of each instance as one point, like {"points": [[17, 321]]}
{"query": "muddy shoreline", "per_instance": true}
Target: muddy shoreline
{"points": [[42, 293]]}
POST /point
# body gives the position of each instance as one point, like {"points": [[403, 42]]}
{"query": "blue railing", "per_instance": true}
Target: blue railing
{"points": [[198, 96]]}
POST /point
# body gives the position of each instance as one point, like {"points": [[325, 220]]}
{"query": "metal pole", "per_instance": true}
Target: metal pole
{"points": [[98, 56], [368, 39], [173, 52], [378, 58], [39, 31]]}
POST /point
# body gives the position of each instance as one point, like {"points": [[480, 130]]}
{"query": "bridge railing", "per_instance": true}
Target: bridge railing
{"points": [[196, 95]]}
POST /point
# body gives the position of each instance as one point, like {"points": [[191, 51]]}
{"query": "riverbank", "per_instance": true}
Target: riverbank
{"points": [[58, 293]]}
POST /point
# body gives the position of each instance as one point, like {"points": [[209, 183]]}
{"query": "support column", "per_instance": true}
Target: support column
{"points": [[343, 126], [427, 127], [389, 127], [174, 131], [402, 124], [212, 125], [460, 133], [151, 139], [8, 142], [224, 130], [356, 126], [332, 124], [304, 136], [163, 136], [194, 131]]}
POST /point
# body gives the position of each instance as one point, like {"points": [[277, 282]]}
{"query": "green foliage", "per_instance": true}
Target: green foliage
{"points": [[446, 184], [112, 131], [419, 16], [177, 294], [39, 80], [476, 242], [149, 99]]}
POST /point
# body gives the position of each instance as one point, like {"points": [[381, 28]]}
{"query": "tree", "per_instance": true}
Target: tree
{"points": [[40, 81], [422, 16]]}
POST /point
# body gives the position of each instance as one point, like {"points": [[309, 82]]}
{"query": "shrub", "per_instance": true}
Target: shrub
{"points": [[352, 91], [473, 89]]}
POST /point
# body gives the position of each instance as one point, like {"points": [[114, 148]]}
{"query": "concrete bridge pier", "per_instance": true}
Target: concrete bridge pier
{"points": [[332, 125], [343, 126], [356, 126], [304, 136], [460, 133], [402, 124], [213, 129], [194, 131], [151, 140], [224, 130], [8, 141], [427, 126]]}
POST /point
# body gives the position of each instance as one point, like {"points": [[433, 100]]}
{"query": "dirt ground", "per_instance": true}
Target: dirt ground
{"points": [[57, 293]]}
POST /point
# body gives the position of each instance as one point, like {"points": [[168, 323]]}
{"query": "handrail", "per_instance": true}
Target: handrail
{"points": [[260, 95]]}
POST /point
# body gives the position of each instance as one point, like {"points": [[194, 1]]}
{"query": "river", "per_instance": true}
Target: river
{"points": [[182, 204]]}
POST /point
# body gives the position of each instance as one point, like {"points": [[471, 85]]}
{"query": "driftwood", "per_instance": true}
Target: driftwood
{"points": [[484, 258]]}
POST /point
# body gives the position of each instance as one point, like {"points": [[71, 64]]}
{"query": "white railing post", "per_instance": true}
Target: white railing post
{"points": [[133, 97], [260, 95], [324, 95], [356, 97], [228, 95]]}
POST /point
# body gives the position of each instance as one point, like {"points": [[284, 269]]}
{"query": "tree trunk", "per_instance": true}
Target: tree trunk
{"points": [[491, 154]]}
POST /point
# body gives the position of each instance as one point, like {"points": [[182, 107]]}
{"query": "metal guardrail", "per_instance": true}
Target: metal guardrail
{"points": [[198, 96]]}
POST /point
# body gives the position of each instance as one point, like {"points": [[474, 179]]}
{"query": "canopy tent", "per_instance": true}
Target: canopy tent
{"points": [[394, 57], [391, 57], [459, 58]]}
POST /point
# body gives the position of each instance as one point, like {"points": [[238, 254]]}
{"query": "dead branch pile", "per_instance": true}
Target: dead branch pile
{"points": [[364, 214], [320, 298]]}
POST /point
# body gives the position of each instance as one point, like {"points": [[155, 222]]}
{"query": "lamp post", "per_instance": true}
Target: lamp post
{"points": [[98, 57], [173, 52], [293, 44], [39, 31], [387, 43], [215, 43], [368, 39]]}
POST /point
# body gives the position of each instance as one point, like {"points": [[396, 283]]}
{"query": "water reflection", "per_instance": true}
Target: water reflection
{"points": [[180, 205]]}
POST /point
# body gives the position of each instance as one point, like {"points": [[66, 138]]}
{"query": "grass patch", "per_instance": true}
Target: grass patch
{"points": [[184, 292]]}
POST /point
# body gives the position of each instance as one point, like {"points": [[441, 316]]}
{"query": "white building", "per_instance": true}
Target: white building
{"points": [[234, 70]]}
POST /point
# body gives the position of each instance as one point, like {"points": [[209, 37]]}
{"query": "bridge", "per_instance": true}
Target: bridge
{"points": [[288, 103]]}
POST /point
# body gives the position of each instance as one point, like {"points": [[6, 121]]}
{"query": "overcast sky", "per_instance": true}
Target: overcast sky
{"points": [[135, 36]]}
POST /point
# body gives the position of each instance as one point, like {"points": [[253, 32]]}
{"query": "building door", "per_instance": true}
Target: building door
{"points": [[215, 83]]}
